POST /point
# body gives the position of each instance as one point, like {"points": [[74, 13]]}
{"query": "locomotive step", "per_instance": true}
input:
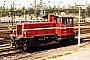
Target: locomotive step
{"points": [[49, 43]]}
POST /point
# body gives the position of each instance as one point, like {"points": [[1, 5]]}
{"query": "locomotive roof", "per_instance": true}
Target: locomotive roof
{"points": [[67, 16], [59, 16]]}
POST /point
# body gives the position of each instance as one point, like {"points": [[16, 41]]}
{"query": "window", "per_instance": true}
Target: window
{"points": [[57, 20], [64, 21], [71, 21]]}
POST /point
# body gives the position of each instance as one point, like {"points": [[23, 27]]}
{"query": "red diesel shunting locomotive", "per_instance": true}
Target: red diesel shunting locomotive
{"points": [[41, 33]]}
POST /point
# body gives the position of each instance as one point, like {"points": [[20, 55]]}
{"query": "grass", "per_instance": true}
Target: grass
{"points": [[43, 59], [67, 53], [58, 55]]}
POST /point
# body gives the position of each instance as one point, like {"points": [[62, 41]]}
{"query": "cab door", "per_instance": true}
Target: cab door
{"points": [[71, 29], [64, 27], [58, 26]]}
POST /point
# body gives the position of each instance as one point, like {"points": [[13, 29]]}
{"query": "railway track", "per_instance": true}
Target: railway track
{"points": [[7, 50], [6, 24], [84, 30], [40, 51], [5, 33], [36, 52]]}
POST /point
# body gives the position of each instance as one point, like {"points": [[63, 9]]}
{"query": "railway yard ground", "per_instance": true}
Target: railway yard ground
{"points": [[81, 54], [56, 51]]}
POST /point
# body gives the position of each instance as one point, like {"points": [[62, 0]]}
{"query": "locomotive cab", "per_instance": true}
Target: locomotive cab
{"points": [[65, 27]]}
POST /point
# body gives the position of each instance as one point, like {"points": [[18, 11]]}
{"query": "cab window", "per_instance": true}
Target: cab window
{"points": [[57, 20], [64, 21], [70, 22]]}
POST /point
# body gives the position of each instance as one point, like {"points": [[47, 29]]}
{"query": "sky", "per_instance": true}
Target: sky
{"points": [[27, 3]]}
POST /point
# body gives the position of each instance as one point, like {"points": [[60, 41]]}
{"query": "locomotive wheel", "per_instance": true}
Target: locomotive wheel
{"points": [[24, 47], [16, 45]]}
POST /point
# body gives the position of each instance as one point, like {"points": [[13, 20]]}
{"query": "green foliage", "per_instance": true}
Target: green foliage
{"points": [[43, 59], [72, 10]]}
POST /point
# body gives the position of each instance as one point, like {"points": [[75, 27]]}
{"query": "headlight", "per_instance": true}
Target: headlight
{"points": [[25, 32]]}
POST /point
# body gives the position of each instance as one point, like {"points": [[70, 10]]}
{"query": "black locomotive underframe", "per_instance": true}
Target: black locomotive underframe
{"points": [[36, 40]]}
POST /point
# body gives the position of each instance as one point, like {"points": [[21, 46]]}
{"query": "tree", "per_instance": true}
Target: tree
{"points": [[88, 10]]}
